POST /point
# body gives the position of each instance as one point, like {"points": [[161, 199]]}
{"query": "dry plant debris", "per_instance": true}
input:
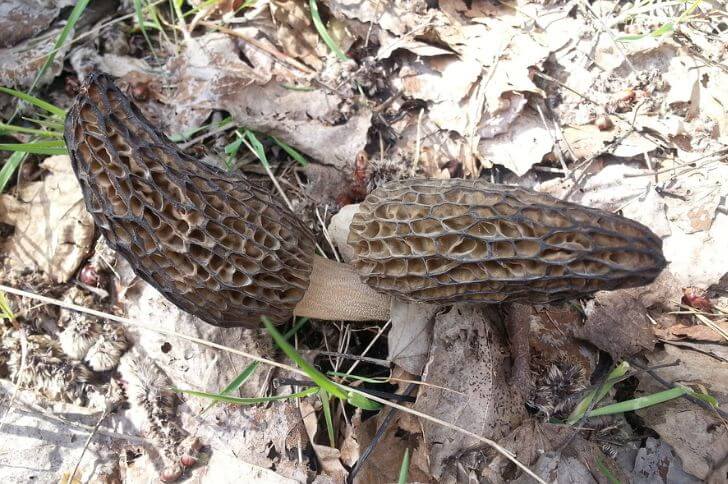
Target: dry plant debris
{"points": [[53, 232], [612, 105]]}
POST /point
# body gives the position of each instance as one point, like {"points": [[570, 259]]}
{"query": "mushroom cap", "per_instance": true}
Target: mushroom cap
{"points": [[444, 241], [214, 244]]}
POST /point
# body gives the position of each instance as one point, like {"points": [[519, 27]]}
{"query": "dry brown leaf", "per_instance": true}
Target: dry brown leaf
{"points": [[524, 145], [411, 333], [53, 231], [23, 19], [221, 467], [311, 121], [447, 82], [211, 76], [554, 452], [350, 447], [470, 357], [296, 32], [339, 230], [386, 459], [551, 337], [695, 332], [207, 65], [20, 64], [617, 323], [587, 141], [657, 462], [395, 16], [699, 437]]}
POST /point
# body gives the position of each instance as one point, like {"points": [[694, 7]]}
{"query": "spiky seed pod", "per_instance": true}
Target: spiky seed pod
{"points": [[559, 390], [106, 351], [79, 335], [55, 378], [147, 388]]}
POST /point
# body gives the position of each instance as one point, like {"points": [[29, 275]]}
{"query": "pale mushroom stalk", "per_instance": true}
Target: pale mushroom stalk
{"points": [[336, 293], [222, 248]]}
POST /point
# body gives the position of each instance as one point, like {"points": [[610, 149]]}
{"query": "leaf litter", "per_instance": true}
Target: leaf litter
{"points": [[578, 100]]}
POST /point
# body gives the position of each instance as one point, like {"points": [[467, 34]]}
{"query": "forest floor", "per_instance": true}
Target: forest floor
{"points": [[614, 105]]}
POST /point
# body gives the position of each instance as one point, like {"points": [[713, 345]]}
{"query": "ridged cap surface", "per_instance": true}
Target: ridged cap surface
{"points": [[214, 244], [444, 241]]}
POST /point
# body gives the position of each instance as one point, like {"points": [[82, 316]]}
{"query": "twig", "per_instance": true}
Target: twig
{"points": [[609, 33], [260, 45], [367, 359], [554, 140], [85, 446], [667, 384], [377, 437], [370, 345], [131, 322]]}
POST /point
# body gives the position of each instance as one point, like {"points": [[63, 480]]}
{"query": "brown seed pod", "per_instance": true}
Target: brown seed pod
{"points": [[214, 244], [443, 241]]}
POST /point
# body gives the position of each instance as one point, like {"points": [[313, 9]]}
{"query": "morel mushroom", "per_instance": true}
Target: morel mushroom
{"points": [[444, 241], [222, 248]]}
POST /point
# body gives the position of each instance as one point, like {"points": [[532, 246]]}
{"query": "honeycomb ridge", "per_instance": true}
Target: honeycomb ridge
{"points": [[445, 241], [214, 244]]}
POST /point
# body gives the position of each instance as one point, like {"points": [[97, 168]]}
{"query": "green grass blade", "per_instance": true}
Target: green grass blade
{"points": [[326, 405], [44, 105], [37, 147], [291, 87], [292, 152], [315, 375], [247, 401], [70, 24], [11, 128], [6, 312], [362, 402], [404, 468], [321, 28], [11, 164], [139, 11], [186, 135], [248, 371], [641, 402], [598, 394], [256, 147], [50, 123], [366, 379]]}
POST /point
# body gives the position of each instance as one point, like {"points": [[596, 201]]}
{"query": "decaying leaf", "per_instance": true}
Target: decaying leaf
{"points": [[22, 19], [656, 461], [19, 64], [411, 333], [385, 461], [524, 145], [296, 32], [617, 323], [53, 231], [467, 344], [694, 332], [699, 437], [554, 452]]}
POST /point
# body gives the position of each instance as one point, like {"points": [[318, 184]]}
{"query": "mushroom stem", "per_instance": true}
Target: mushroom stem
{"points": [[336, 293]]}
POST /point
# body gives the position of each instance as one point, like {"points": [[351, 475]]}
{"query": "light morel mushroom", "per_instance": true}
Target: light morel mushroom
{"points": [[222, 248]]}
